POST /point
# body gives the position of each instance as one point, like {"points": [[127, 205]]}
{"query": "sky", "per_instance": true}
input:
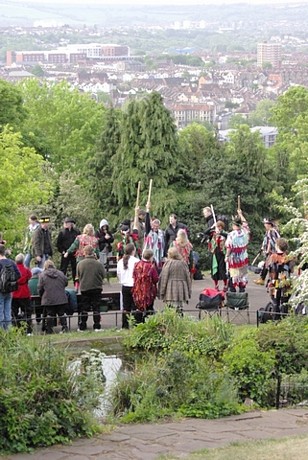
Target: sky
{"points": [[162, 2]]}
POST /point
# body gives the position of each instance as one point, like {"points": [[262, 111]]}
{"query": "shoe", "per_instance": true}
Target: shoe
{"points": [[259, 281], [97, 330]]}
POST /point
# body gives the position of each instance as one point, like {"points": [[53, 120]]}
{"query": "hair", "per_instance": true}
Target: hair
{"points": [[181, 237], [2, 250], [129, 251], [282, 244], [33, 217], [88, 250], [173, 253], [19, 259], [156, 221], [207, 208], [173, 215], [88, 229], [220, 223], [49, 264], [147, 254]]}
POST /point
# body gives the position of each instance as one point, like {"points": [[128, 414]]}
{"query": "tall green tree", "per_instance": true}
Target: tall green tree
{"points": [[12, 111], [25, 181], [62, 121]]}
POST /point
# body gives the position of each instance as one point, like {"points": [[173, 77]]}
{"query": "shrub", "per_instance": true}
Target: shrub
{"points": [[251, 369], [41, 401]]}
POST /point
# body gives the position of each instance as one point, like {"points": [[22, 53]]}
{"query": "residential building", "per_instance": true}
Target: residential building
{"points": [[269, 53]]}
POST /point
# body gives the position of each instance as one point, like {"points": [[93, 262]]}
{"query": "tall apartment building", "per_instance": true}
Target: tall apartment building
{"points": [[269, 53]]}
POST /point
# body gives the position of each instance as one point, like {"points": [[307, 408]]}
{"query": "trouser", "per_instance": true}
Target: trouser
{"points": [[90, 300], [51, 312], [26, 310], [128, 305], [65, 261]]}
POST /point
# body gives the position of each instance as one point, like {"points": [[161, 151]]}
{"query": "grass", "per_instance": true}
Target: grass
{"points": [[279, 449]]}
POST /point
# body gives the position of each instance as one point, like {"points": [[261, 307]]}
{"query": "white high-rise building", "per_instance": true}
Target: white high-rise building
{"points": [[269, 53]]}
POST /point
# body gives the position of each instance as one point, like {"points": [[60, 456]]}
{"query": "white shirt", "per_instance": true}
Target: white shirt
{"points": [[126, 276]]}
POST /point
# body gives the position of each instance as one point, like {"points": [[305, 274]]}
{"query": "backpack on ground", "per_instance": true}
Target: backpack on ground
{"points": [[8, 279], [266, 313]]}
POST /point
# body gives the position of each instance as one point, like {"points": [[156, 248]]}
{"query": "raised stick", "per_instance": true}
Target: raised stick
{"points": [[213, 214], [150, 191], [238, 201]]}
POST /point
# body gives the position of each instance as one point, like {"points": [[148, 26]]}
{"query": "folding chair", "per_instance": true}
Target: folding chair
{"points": [[210, 303], [237, 307]]}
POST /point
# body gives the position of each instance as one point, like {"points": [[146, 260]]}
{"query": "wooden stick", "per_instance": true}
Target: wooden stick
{"points": [[150, 191], [213, 214], [138, 194], [238, 201]]}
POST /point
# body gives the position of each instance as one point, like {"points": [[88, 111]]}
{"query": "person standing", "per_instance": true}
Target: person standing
{"points": [[7, 289], [185, 248], [125, 270], [174, 285], [105, 240], [145, 285], [268, 248], [87, 238], [33, 225], [172, 231], [236, 253], [217, 247], [51, 288], [65, 239], [22, 297], [154, 238], [41, 242], [90, 273]]}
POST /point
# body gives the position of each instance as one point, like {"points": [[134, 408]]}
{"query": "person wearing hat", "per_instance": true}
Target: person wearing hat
{"points": [[236, 253], [41, 242], [105, 239], [127, 236], [268, 247], [33, 225], [65, 238]]}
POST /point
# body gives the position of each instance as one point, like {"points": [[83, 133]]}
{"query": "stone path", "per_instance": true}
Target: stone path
{"points": [[149, 441]]}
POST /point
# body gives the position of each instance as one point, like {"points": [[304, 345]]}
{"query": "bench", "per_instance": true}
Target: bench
{"points": [[111, 267]]}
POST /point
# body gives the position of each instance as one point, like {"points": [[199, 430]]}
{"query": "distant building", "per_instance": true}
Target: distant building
{"points": [[69, 54], [184, 114], [268, 134], [269, 53]]}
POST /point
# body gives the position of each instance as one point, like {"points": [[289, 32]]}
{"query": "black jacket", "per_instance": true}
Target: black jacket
{"points": [[102, 241], [65, 238], [171, 234]]}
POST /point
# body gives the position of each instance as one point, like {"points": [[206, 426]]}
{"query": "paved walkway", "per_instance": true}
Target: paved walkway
{"points": [[149, 441]]}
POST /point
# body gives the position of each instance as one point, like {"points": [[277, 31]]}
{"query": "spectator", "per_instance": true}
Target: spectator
{"points": [[6, 297], [90, 273], [65, 239], [51, 288], [154, 238], [145, 285], [125, 269], [105, 239], [41, 242], [174, 285], [185, 248], [28, 249], [21, 301]]}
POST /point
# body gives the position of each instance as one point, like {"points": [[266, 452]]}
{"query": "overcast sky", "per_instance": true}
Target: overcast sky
{"points": [[162, 2]]}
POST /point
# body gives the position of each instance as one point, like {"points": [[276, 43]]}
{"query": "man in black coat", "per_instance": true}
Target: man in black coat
{"points": [[65, 238], [172, 231]]}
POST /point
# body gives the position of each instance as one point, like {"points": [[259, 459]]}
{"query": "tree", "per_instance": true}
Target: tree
{"points": [[69, 122], [262, 114], [11, 105], [148, 149], [24, 181]]}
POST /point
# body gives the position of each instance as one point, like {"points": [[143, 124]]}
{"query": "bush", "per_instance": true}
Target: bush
{"points": [[167, 331], [174, 384], [251, 369], [41, 401]]}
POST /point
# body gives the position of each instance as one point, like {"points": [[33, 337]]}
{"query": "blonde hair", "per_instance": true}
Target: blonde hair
{"points": [[173, 253], [181, 237], [88, 230], [49, 264], [19, 259]]}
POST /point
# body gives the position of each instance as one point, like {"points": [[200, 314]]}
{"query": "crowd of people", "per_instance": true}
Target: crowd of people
{"points": [[152, 263]]}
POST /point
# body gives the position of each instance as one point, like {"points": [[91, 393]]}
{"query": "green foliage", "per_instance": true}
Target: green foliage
{"points": [[24, 180], [251, 369], [11, 105], [42, 402], [174, 384], [167, 332], [67, 122]]}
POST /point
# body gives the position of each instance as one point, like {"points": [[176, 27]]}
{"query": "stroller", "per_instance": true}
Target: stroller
{"points": [[210, 302]]}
